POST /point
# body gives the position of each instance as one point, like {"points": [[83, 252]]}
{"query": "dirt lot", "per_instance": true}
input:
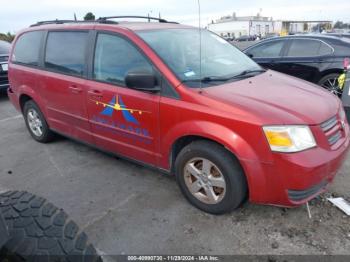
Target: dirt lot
{"points": [[128, 209]]}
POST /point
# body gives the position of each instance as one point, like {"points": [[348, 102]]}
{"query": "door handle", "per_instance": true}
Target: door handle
{"points": [[74, 89], [95, 94]]}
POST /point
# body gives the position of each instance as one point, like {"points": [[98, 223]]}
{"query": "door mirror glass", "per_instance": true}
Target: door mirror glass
{"points": [[142, 79]]}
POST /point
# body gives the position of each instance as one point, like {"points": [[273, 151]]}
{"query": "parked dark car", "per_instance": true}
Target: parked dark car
{"points": [[316, 58], [4, 55]]}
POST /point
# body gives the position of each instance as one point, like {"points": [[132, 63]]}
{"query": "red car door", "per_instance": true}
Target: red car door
{"points": [[63, 86], [123, 120]]}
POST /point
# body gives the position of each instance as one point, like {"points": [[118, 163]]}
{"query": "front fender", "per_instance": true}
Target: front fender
{"points": [[209, 130], [244, 152]]}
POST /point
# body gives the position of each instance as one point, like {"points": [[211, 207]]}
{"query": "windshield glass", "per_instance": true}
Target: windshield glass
{"points": [[179, 49], [4, 48]]}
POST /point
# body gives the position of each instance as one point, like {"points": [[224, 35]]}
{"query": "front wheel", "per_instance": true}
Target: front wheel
{"points": [[330, 83], [210, 177]]}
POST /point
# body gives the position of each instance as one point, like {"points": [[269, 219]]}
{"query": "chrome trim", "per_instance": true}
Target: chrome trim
{"points": [[329, 124]]}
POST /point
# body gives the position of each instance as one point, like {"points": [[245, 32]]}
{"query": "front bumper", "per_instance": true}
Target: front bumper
{"points": [[293, 179]]}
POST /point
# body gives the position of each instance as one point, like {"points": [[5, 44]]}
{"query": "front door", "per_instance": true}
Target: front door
{"points": [[123, 120]]}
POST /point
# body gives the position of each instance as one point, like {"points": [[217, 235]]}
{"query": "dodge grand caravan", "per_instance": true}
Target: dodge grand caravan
{"points": [[226, 128]]}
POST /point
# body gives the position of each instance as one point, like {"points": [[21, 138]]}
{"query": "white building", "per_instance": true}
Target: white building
{"points": [[246, 25], [260, 25]]}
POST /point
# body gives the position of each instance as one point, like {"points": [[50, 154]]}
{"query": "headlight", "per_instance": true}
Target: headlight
{"points": [[289, 139]]}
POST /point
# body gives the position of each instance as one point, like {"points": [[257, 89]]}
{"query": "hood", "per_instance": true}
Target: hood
{"points": [[276, 98]]}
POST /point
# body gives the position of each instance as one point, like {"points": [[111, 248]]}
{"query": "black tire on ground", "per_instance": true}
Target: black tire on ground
{"points": [[236, 185], [324, 81], [47, 134], [39, 231]]}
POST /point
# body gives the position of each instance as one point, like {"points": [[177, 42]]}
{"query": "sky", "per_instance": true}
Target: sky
{"points": [[18, 14]]}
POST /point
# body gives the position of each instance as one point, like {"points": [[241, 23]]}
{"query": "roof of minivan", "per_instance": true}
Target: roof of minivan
{"points": [[134, 26]]}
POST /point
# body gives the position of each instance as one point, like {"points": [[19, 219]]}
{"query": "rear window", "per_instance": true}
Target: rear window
{"points": [[308, 48], [65, 52], [27, 48]]}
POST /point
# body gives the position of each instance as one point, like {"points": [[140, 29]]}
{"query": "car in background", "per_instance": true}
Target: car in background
{"points": [[246, 38], [316, 58], [4, 56], [270, 35], [344, 35]]}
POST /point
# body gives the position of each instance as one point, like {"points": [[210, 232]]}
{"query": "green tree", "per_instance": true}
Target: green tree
{"points": [[7, 37], [89, 16]]}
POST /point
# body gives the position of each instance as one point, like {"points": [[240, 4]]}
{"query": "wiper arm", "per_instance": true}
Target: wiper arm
{"points": [[248, 72], [208, 79]]}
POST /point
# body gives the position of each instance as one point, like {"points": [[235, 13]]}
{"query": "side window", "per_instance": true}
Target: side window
{"points": [[270, 49], [325, 49], [65, 52], [307, 48], [114, 57], [27, 48]]}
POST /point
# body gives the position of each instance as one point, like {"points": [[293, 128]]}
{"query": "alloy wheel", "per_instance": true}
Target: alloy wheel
{"points": [[332, 85], [34, 122], [204, 180]]}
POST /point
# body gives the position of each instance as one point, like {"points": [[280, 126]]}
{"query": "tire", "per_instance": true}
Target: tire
{"points": [[45, 135], [330, 83], [39, 231], [223, 166]]}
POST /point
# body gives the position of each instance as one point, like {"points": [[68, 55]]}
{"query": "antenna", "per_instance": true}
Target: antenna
{"points": [[200, 46]]}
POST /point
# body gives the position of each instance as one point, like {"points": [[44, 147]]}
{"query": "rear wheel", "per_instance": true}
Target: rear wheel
{"points": [[330, 83], [39, 231], [210, 177], [36, 123]]}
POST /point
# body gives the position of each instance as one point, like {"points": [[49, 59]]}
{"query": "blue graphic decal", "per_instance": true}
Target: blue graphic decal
{"points": [[126, 114]]}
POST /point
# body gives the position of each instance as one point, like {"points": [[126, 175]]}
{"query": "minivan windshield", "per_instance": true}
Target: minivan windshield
{"points": [[180, 50]]}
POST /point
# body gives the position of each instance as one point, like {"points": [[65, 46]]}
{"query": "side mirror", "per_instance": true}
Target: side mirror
{"points": [[142, 79], [250, 55]]}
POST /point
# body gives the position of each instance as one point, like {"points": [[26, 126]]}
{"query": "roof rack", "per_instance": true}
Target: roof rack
{"points": [[104, 20], [149, 18], [57, 21]]}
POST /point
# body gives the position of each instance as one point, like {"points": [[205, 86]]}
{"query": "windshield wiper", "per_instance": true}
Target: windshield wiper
{"points": [[247, 73], [207, 79]]}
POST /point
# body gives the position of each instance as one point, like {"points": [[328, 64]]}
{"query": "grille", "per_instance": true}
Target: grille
{"points": [[3, 79], [4, 58], [332, 130]]}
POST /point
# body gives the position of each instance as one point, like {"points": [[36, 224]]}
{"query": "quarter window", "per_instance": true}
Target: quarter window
{"points": [[269, 49], [65, 52], [308, 48], [114, 57], [27, 48]]}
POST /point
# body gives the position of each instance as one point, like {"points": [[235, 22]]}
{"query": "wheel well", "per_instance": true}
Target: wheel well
{"points": [[181, 142], [186, 140], [24, 99], [332, 71]]}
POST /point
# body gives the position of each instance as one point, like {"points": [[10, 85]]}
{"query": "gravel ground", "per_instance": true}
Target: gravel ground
{"points": [[129, 209]]}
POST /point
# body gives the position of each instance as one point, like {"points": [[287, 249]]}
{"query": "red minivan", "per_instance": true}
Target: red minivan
{"points": [[184, 101]]}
